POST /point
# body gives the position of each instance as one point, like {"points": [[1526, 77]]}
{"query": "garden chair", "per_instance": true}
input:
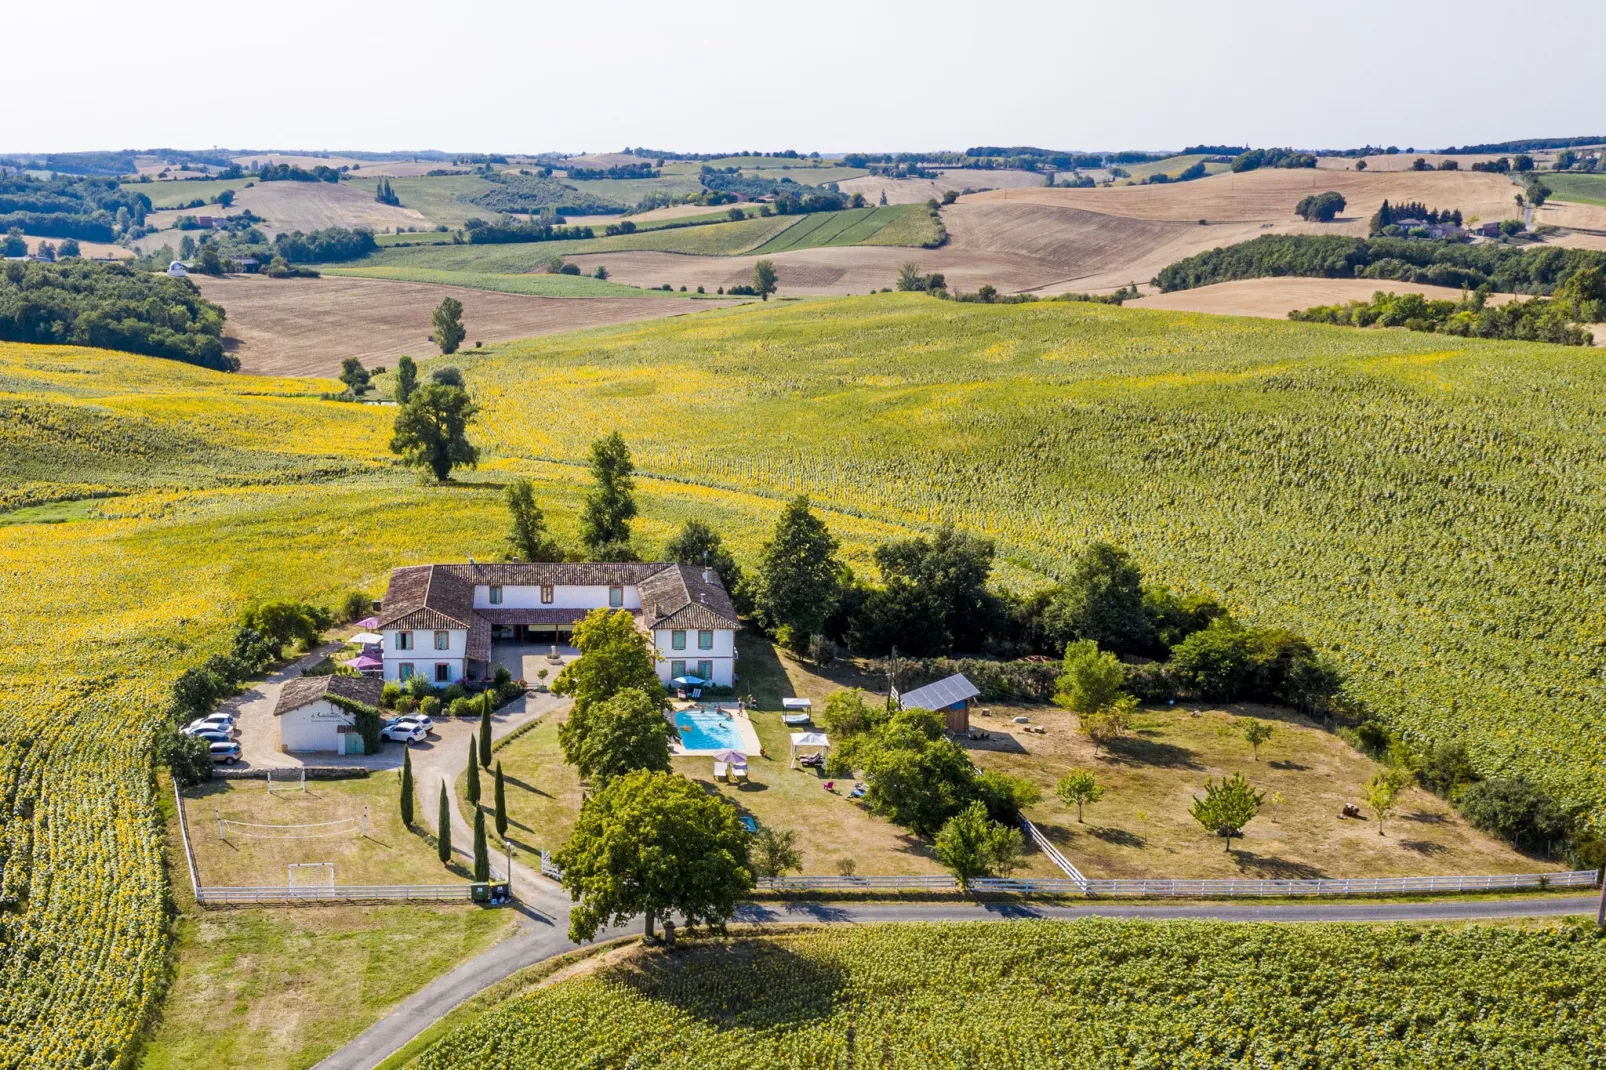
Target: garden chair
{"points": [[740, 774]]}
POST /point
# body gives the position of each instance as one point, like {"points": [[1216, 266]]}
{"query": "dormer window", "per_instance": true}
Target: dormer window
{"points": [[496, 595]]}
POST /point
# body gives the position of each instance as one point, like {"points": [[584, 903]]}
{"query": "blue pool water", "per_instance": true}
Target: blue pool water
{"points": [[708, 730]]}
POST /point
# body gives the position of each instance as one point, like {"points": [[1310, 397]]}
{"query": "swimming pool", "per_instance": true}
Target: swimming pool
{"points": [[710, 730]]}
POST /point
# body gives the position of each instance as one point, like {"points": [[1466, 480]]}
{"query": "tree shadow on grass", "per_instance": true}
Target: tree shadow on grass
{"points": [[1294, 767], [526, 785], [1424, 817], [777, 986], [1118, 837], [1425, 848], [1135, 751], [1271, 867]]}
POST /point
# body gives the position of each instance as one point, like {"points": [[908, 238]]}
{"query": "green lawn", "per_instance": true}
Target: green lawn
{"points": [[1579, 188], [539, 285]]}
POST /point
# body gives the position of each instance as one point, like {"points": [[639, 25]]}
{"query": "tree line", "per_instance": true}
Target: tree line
{"points": [[92, 209], [1441, 263], [1581, 299], [111, 306]]}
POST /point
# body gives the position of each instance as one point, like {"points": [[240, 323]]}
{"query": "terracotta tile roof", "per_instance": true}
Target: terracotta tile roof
{"points": [[555, 573], [308, 689], [427, 597], [685, 596]]}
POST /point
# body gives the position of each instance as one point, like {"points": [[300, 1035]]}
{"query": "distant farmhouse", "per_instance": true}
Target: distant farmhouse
{"points": [[442, 620]]}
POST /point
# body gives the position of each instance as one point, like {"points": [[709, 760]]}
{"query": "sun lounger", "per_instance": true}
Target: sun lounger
{"points": [[749, 823], [697, 693], [795, 720], [740, 773], [811, 760], [719, 770]]}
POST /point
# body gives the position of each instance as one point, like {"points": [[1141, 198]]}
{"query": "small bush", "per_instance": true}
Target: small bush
{"points": [[430, 706]]}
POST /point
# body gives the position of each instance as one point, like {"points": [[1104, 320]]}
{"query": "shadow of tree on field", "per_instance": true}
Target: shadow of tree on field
{"points": [[1273, 868], [1118, 837], [1425, 848], [778, 986], [1135, 751]]}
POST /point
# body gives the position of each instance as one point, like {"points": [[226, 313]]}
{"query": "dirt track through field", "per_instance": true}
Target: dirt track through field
{"points": [[307, 326]]}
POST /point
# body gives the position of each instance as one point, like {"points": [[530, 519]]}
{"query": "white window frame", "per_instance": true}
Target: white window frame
{"points": [[548, 593]]}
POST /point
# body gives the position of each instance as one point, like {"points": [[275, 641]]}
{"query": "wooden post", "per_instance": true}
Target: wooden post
{"points": [[219, 814]]}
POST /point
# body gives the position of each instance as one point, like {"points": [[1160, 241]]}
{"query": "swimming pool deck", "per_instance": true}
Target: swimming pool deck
{"points": [[750, 745]]}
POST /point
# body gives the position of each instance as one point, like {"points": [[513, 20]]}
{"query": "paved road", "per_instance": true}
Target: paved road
{"points": [[543, 934]]}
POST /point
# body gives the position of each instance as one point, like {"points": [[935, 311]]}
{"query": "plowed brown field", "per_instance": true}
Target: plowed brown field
{"points": [[307, 326]]}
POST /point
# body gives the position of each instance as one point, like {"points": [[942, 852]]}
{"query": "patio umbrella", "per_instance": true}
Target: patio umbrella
{"points": [[364, 662], [368, 638], [730, 757], [368, 622], [688, 681]]}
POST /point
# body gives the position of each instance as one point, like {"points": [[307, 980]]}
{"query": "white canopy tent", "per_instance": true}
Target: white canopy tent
{"points": [[809, 739]]}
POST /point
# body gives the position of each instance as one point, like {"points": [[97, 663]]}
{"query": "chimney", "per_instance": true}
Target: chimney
{"points": [[708, 575]]}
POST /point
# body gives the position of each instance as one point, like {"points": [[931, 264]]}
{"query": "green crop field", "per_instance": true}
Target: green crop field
{"points": [[443, 198], [1172, 166], [1425, 508], [541, 285], [852, 226], [715, 239], [1581, 188], [632, 190], [1040, 994], [173, 194]]}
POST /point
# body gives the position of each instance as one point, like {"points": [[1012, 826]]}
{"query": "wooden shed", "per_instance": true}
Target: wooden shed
{"points": [[951, 696]]}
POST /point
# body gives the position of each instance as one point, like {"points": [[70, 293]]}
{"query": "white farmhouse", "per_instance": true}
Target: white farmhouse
{"points": [[309, 721], [441, 620]]}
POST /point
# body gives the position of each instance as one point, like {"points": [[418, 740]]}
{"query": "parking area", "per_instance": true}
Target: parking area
{"points": [[259, 732]]}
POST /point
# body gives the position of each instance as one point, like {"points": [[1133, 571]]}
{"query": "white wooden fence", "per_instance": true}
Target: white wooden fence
{"points": [[1190, 889], [1052, 852], [337, 894]]}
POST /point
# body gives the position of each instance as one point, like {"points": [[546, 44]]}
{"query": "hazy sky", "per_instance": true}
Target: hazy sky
{"points": [[499, 75]]}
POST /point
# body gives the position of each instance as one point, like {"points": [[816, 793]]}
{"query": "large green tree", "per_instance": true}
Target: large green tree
{"points": [[917, 777], [799, 577], [625, 733], [1101, 600], [447, 321], [970, 844], [615, 657], [953, 567], [528, 538], [654, 843], [765, 279], [698, 544], [406, 379], [431, 430], [611, 504], [1090, 680]]}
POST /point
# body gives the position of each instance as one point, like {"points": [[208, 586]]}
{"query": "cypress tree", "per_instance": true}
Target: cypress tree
{"points": [[485, 732], [482, 855], [443, 831], [473, 776], [407, 788], [501, 804]]}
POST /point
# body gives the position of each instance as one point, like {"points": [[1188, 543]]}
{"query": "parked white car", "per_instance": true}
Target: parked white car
{"points": [[228, 753], [419, 719], [221, 722], [407, 732]]}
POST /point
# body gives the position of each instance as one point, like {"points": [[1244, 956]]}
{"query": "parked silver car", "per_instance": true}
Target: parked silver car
{"points": [[227, 752]]}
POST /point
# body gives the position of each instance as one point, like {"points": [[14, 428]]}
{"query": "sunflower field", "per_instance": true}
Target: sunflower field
{"points": [[1047, 994], [1429, 512]]}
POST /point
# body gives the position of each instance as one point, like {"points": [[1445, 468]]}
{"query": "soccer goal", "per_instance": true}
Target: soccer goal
{"points": [[316, 830], [318, 876], [289, 780]]}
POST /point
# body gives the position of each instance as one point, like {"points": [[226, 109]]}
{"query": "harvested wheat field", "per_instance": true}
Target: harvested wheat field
{"points": [[1402, 161], [1270, 195], [307, 326], [309, 206], [1275, 298], [919, 190]]}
